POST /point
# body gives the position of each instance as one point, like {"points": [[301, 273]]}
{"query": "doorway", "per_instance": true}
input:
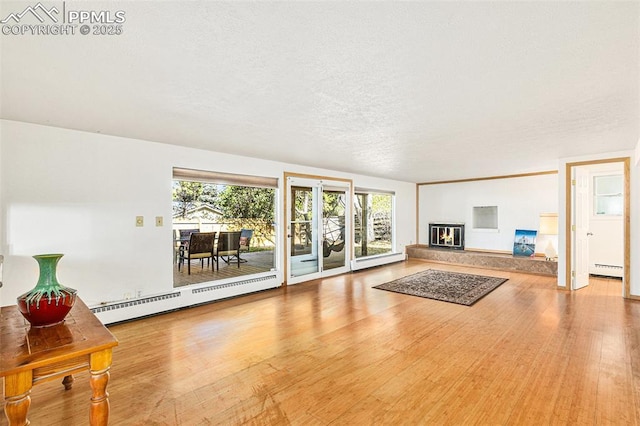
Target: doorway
{"points": [[590, 206], [318, 227]]}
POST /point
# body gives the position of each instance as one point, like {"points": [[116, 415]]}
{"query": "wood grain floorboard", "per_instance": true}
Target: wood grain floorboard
{"points": [[338, 352]]}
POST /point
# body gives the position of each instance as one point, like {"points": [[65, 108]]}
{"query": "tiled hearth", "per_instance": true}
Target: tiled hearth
{"points": [[503, 262]]}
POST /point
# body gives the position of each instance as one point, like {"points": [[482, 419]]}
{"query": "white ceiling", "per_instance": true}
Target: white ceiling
{"points": [[415, 91]]}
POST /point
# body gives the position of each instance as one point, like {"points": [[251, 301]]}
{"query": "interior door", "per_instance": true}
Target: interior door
{"points": [[581, 224], [318, 228]]}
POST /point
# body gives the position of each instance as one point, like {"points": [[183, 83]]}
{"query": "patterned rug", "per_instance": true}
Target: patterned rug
{"points": [[454, 287]]}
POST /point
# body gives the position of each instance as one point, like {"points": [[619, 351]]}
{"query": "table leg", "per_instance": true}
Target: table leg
{"points": [[17, 391], [100, 365], [67, 382]]}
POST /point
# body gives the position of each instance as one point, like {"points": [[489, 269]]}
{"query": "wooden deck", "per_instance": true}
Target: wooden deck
{"points": [[337, 351], [256, 262]]}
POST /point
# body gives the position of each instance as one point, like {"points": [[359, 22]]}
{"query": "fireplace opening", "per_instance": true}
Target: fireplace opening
{"points": [[446, 235]]}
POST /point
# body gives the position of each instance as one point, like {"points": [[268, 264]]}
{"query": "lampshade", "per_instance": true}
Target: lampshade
{"points": [[548, 224]]}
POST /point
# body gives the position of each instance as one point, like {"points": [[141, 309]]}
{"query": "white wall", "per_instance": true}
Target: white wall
{"points": [[1, 210], [520, 201], [78, 193], [524, 198]]}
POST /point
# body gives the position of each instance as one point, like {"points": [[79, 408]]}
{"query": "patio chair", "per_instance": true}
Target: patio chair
{"points": [[180, 241], [185, 233], [245, 241], [228, 245], [200, 247]]}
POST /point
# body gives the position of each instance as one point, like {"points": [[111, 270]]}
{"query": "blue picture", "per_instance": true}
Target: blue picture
{"points": [[525, 243]]}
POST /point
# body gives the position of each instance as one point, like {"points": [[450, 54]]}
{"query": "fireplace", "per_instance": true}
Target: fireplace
{"points": [[446, 235]]}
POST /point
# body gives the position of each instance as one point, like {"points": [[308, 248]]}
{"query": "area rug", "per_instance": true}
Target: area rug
{"points": [[454, 287]]}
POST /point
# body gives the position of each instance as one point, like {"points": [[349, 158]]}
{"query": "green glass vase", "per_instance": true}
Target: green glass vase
{"points": [[49, 302]]}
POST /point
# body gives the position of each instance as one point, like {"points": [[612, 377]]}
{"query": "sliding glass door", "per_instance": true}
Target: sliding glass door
{"points": [[303, 232], [318, 228], [334, 230]]}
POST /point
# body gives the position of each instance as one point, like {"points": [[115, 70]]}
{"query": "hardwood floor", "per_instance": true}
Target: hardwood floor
{"points": [[336, 351]]}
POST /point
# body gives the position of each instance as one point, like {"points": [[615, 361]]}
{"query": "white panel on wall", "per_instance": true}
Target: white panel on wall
{"points": [[79, 193], [519, 201]]}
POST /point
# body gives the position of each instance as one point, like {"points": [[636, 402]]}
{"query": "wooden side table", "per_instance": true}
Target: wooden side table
{"points": [[32, 355]]}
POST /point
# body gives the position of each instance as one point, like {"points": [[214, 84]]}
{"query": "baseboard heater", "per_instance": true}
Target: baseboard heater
{"points": [[599, 265], [606, 270], [110, 313], [369, 262]]}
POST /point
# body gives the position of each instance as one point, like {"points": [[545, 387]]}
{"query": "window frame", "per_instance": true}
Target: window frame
{"points": [[392, 217], [237, 180]]}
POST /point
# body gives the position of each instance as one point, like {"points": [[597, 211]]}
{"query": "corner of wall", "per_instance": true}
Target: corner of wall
{"points": [[562, 217], [2, 212]]}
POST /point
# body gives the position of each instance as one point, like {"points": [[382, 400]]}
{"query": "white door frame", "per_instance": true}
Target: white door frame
{"points": [[332, 182], [569, 233], [580, 234]]}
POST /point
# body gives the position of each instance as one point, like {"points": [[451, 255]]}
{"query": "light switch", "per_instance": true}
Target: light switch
{"points": [[139, 220], [159, 221]]}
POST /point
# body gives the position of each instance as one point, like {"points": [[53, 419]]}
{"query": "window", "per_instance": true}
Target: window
{"points": [[219, 202], [607, 195], [373, 223], [485, 217]]}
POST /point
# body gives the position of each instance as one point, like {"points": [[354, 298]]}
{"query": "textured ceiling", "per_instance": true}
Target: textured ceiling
{"points": [[415, 91]]}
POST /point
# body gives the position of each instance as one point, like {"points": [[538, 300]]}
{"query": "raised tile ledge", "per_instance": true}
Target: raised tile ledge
{"points": [[499, 261]]}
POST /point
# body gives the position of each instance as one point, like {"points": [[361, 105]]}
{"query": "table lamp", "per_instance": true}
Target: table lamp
{"points": [[549, 226]]}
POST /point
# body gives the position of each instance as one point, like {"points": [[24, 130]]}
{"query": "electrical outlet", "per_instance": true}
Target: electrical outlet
{"points": [[139, 220], [159, 221]]}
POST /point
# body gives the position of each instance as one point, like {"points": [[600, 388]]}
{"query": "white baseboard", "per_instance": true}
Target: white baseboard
{"points": [[183, 297], [371, 261]]}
